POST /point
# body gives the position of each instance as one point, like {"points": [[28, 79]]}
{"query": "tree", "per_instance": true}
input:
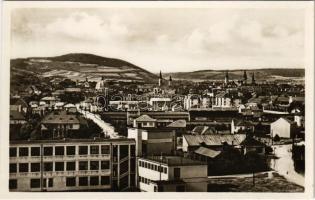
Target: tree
{"points": [[25, 131]]}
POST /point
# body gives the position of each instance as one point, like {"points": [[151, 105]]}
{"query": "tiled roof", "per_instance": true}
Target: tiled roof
{"points": [[214, 140], [145, 118], [207, 152]]}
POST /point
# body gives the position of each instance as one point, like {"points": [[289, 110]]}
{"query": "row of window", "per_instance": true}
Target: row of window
{"points": [[70, 182], [59, 150], [144, 180], [153, 166], [59, 166]]}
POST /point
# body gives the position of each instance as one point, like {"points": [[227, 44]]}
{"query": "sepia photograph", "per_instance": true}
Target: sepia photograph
{"points": [[161, 97]]}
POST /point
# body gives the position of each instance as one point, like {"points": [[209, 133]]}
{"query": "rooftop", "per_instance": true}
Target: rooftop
{"points": [[145, 118], [207, 152], [174, 160], [214, 140]]}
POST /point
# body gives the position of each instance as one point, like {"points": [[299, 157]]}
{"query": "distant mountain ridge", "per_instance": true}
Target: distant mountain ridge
{"points": [[260, 74]]}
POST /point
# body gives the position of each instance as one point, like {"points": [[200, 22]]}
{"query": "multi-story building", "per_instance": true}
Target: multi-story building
{"points": [[72, 165], [171, 174]]}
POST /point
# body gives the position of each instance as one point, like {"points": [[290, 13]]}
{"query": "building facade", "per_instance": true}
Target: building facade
{"points": [[171, 174], [72, 165]]}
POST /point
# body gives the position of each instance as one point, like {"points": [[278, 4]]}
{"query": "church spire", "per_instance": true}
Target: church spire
{"points": [[160, 78], [170, 81], [253, 78], [245, 77], [226, 80]]}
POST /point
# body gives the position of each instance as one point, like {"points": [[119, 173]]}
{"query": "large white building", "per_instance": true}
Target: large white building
{"points": [[171, 174], [283, 127], [72, 165]]}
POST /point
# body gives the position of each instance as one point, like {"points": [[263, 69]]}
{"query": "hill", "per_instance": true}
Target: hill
{"points": [[78, 66], [260, 74]]}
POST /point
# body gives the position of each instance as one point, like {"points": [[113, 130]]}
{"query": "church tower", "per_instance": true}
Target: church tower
{"points": [[160, 78], [170, 81], [226, 80], [253, 79], [245, 77]]}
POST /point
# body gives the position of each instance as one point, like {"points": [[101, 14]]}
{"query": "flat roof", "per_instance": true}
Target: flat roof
{"points": [[69, 140], [174, 160]]}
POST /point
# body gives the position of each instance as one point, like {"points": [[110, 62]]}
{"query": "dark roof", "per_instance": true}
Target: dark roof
{"points": [[18, 101], [249, 141], [214, 140], [61, 118], [15, 115], [174, 160]]}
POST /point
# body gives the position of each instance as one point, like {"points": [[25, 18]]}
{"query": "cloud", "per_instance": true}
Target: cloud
{"points": [[165, 38]]}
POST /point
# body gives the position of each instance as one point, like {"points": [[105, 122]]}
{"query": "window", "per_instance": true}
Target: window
{"points": [[105, 164], [124, 151], [59, 151], [83, 150], [145, 164], [13, 152], [105, 149], [35, 183], [149, 165], [105, 180], [165, 170], [48, 151], [94, 180], [13, 168], [70, 166], [12, 184], [83, 165], [94, 149], [48, 166], [140, 163], [35, 167], [70, 181], [94, 165], [23, 167], [132, 150], [70, 150], [50, 182], [155, 167], [176, 172], [35, 151], [83, 181], [23, 151], [59, 166]]}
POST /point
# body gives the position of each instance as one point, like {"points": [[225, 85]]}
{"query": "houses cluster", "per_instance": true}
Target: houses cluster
{"points": [[173, 135]]}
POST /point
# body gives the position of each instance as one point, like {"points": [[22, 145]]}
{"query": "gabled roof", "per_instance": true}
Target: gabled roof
{"points": [[145, 118], [15, 115], [178, 124], [214, 140], [207, 152], [200, 129], [18, 101]]}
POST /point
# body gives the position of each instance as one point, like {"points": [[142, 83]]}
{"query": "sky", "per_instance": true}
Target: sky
{"points": [[167, 39]]}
